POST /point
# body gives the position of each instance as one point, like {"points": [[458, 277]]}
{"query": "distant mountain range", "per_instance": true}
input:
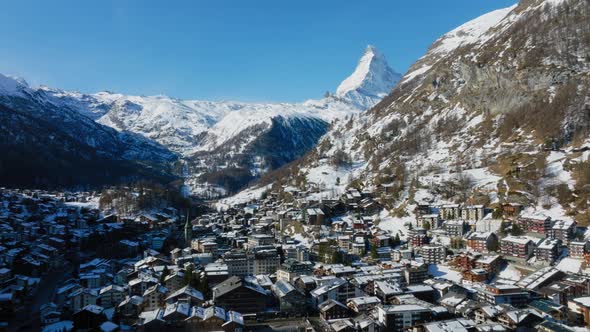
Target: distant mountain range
{"points": [[217, 147]]}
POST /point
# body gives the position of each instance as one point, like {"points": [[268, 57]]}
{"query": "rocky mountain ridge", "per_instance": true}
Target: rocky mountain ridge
{"points": [[227, 142], [497, 111]]}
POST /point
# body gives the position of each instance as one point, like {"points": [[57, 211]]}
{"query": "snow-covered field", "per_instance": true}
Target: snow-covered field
{"points": [[510, 274], [444, 272], [91, 204], [242, 197], [395, 225]]}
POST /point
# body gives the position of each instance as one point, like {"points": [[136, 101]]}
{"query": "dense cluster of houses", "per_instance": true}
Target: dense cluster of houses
{"points": [[321, 264]]}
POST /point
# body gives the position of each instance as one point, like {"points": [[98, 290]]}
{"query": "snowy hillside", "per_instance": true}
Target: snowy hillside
{"points": [[11, 86], [476, 118], [44, 144]]}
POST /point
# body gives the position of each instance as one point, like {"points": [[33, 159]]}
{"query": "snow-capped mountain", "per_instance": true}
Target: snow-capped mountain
{"points": [[188, 126], [44, 144], [372, 80], [497, 111], [13, 86], [215, 136]]}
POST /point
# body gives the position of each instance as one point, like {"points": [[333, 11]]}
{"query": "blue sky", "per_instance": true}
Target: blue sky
{"points": [[262, 50]]}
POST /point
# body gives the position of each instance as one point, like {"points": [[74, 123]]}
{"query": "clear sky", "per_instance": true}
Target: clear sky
{"points": [[257, 50]]}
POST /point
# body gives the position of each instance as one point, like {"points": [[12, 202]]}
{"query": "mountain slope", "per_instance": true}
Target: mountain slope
{"points": [[243, 140], [187, 126], [496, 111], [43, 144]]}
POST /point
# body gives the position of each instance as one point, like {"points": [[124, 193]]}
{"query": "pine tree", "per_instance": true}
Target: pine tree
{"points": [[335, 257], [374, 254], [516, 230]]}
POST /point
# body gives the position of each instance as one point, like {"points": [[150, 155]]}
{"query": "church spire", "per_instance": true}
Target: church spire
{"points": [[188, 231]]}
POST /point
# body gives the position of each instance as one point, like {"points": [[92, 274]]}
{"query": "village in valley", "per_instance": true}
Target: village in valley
{"points": [[288, 260]]}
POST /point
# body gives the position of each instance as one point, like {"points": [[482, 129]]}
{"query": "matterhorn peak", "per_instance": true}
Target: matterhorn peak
{"points": [[372, 79]]}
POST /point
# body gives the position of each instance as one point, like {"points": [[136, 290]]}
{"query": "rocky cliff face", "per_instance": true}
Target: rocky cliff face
{"points": [[496, 111]]}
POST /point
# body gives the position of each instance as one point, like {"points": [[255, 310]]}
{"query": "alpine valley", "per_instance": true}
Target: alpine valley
{"points": [[496, 112], [453, 198], [56, 137]]}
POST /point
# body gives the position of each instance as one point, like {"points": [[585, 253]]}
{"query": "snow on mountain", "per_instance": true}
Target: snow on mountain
{"points": [[469, 33], [12, 86], [477, 112], [474, 33], [372, 80], [46, 144], [188, 126], [244, 139], [249, 115]]}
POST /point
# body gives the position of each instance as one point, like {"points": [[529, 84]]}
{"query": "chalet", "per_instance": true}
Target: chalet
{"points": [[518, 246], [482, 241], [186, 294], [503, 294], [154, 297], [214, 319], [511, 210], [577, 249], [314, 216], [81, 298], [238, 295], [403, 316], [176, 313], [89, 318], [563, 230], [336, 289], [332, 309], [111, 296], [363, 303], [580, 310], [417, 237], [428, 221], [548, 250], [492, 264], [290, 299], [455, 227], [130, 308], [433, 254], [174, 281], [472, 212], [535, 224], [475, 275], [386, 291], [465, 261], [519, 320], [449, 211]]}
